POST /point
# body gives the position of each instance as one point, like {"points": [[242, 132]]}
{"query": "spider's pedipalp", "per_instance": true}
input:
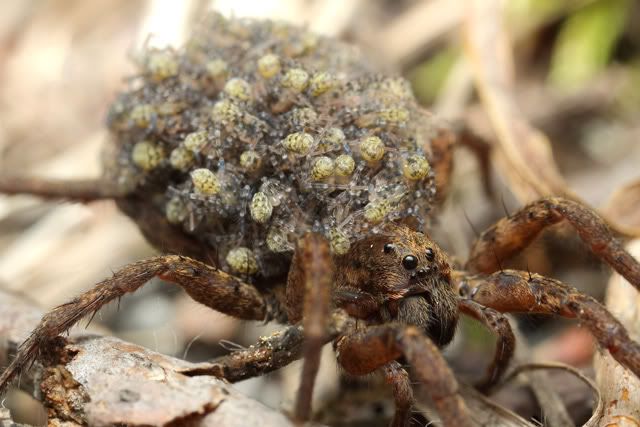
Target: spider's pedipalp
{"points": [[512, 291], [363, 351], [398, 378], [505, 343], [207, 285]]}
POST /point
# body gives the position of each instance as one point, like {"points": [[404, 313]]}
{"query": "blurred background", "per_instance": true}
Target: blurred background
{"points": [[574, 76]]}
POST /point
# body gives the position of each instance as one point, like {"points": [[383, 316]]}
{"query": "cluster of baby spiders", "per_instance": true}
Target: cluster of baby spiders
{"points": [[265, 151]]}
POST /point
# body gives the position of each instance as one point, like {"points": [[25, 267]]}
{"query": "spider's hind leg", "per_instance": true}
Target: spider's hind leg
{"points": [[205, 284], [443, 146]]}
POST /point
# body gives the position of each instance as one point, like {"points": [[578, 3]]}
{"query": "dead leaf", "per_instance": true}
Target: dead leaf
{"points": [[620, 389]]}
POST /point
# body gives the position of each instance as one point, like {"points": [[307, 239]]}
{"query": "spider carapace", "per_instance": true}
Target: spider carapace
{"points": [[287, 180]]}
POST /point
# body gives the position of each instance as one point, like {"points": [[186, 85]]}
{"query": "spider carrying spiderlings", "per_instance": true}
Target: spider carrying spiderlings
{"points": [[288, 181]]}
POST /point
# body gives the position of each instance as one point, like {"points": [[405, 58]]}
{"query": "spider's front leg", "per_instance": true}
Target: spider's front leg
{"points": [[512, 234], [205, 284], [362, 351], [512, 291]]}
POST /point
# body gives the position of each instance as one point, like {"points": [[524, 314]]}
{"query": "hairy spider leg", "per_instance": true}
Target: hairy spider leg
{"points": [[510, 235], [442, 149], [205, 284], [513, 291], [362, 351], [396, 376], [505, 343]]}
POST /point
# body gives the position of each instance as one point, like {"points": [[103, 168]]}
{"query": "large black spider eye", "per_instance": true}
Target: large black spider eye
{"points": [[388, 248], [430, 254], [410, 262]]}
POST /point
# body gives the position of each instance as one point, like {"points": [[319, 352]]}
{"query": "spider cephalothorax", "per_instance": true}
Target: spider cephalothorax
{"points": [[400, 275], [279, 174]]}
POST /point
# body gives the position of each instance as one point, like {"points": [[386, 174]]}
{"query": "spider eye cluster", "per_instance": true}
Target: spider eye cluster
{"points": [[255, 132]]}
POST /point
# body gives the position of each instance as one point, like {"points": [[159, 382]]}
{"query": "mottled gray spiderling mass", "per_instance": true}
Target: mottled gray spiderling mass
{"points": [[255, 132]]}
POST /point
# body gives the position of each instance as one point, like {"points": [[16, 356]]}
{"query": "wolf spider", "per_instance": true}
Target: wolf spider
{"points": [[393, 295]]}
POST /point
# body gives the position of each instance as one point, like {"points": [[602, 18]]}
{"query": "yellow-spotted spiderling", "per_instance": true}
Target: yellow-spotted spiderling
{"points": [[250, 146], [396, 115], [372, 149], [416, 167], [242, 260], [147, 155], [176, 211], [261, 207], [217, 68], [196, 141], [376, 211], [339, 242], [295, 79], [321, 83], [250, 160], [331, 140], [344, 165], [142, 115], [397, 88], [298, 142], [277, 240], [162, 65], [304, 116], [322, 168], [238, 89], [205, 182], [269, 66], [225, 111], [181, 158]]}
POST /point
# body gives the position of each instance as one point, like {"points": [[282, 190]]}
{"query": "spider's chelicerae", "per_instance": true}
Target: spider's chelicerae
{"points": [[288, 181]]}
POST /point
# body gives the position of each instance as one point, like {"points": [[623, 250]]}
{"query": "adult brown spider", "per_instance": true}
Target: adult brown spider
{"points": [[267, 151]]}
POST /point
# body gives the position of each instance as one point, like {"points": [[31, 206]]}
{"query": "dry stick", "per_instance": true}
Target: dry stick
{"points": [[80, 190], [317, 302], [554, 410], [429, 22], [530, 167], [599, 410]]}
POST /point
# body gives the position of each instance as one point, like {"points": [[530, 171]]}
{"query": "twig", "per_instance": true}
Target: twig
{"points": [[597, 413], [548, 399], [525, 157]]}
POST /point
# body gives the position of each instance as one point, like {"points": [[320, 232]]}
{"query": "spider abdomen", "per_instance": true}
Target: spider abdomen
{"points": [[256, 132]]}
